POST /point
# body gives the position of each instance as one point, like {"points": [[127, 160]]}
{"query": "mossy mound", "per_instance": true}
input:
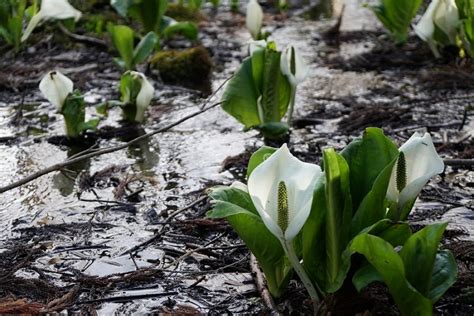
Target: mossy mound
{"points": [[182, 13], [190, 67]]}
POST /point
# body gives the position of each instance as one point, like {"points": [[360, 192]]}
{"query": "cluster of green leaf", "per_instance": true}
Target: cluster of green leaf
{"points": [[74, 113], [12, 13], [396, 16], [348, 216], [466, 15], [258, 95], [123, 39], [151, 15]]}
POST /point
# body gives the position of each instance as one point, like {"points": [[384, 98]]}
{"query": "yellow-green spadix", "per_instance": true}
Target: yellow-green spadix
{"points": [[51, 10], [281, 189], [55, 87], [418, 162]]}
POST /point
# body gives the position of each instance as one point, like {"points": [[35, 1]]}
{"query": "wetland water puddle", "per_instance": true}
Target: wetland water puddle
{"points": [[91, 236]]}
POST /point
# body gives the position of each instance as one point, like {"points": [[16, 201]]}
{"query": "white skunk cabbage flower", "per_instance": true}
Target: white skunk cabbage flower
{"points": [[254, 18], [443, 14], [417, 163], [293, 66], [281, 189], [144, 96], [51, 10], [55, 87]]}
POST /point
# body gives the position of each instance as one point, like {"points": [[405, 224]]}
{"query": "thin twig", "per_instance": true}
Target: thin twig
{"points": [[68, 162], [162, 230], [83, 38]]}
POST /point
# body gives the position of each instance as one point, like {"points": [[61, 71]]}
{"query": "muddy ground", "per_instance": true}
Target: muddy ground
{"points": [[126, 232]]}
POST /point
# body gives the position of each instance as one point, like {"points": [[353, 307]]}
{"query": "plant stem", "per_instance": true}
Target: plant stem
{"points": [[295, 262], [292, 104]]}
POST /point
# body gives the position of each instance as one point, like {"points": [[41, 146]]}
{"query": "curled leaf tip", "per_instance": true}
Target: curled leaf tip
{"points": [[401, 172], [282, 206]]}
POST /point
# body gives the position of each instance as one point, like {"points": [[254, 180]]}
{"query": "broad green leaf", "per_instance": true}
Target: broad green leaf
{"points": [[89, 125], [145, 47], [240, 96], [367, 158], [121, 6], [258, 157], [372, 208], [274, 130], [231, 203], [187, 29], [396, 16], [338, 212], [389, 265], [443, 276], [123, 40], [149, 13], [129, 89], [395, 233], [418, 255], [74, 112], [366, 275]]}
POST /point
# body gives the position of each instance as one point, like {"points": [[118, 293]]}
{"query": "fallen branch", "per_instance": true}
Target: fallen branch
{"points": [[83, 38], [104, 151]]}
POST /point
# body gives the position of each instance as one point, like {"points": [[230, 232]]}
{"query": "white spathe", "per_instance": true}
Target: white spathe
{"points": [[144, 96], [254, 18], [300, 179], [443, 14], [422, 163], [55, 87], [254, 45], [51, 10], [300, 71], [240, 186]]}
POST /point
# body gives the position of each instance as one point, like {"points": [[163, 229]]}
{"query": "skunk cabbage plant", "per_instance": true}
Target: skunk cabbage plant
{"points": [[259, 94], [123, 39], [136, 95], [58, 90], [293, 67], [12, 13], [439, 24], [466, 15], [254, 19], [293, 217], [417, 163], [396, 16], [51, 10]]}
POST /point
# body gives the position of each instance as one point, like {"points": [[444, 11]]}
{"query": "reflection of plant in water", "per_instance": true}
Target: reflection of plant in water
{"points": [[293, 217]]}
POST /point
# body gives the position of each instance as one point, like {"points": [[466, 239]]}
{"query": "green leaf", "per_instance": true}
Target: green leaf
{"points": [[389, 265], [338, 212], [231, 204], [145, 47], [366, 275], [149, 13], [89, 125], [419, 254], [123, 40], [121, 6], [367, 158], [74, 112], [443, 276], [240, 96], [274, 130], [396, 16], [187, 29], [258, 157]]}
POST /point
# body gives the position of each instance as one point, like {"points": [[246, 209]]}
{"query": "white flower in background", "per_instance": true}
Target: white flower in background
{"points": [[51, 10], [417, 164], [144, 96], [55, 87], [442, 14], [293, 66], [254, 18], [281, 189]]}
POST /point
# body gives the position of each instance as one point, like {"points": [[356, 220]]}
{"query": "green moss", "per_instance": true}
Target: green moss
{"points": [[190, 67], [183, 13]]}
